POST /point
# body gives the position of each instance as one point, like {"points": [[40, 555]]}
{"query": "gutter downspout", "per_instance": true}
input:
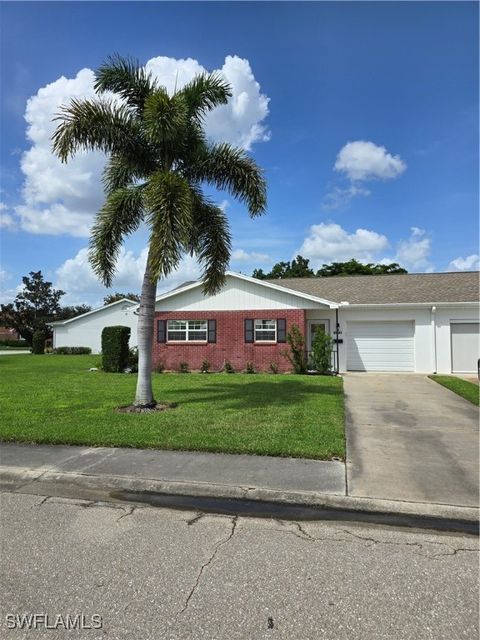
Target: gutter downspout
{"points": [[434, 328], [337, 325]]}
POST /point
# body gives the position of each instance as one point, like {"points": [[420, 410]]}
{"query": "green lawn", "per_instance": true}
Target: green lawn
{"points": [[464, 388], [55, 399]]}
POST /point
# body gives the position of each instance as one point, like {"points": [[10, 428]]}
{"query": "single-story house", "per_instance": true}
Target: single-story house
{"points": [[422, 323], [86, 330]]}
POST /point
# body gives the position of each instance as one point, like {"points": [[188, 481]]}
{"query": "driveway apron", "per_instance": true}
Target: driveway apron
{"points": [[408, 438]]}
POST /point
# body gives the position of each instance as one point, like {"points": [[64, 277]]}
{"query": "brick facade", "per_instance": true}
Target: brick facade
{"points": [[230, 344]]}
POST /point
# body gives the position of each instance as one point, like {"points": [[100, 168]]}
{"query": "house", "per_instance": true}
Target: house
{"points": [[421, 323], [86, 330]]}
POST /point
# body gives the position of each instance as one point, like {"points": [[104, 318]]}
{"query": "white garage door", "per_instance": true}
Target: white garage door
{"points": [[380, 346], [465, 346]]}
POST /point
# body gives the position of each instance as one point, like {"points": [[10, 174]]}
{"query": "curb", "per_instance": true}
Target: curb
{"points": [[45, 481]]}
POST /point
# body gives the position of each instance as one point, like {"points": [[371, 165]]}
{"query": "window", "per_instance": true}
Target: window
{"points": [[265, 330], [187, 330]]}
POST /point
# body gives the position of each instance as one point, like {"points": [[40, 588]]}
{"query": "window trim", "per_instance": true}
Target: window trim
{"points": [[187, 332], [271, 320]]}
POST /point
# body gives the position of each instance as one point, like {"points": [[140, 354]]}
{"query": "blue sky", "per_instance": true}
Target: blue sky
{"points": [[364, 116]]}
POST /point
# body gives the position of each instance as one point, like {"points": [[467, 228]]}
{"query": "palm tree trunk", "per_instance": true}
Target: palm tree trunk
{"points": [[145, 330]]}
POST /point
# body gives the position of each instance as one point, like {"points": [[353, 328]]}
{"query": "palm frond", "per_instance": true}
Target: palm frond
{"points": [[125, 77], [210, 241], [169, 203], [95, 125], [124, 170], [231, 169], [205, 92], [165, 118], [120, 216]]}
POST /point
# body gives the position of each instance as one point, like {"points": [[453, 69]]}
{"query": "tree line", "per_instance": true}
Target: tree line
{"points": [[299, 268]]}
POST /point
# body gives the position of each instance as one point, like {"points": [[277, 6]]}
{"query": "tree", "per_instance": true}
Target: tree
{"points": [[298, 268], [33, 307], [114, 297], [73, 311], [353, 267], [159, 160]]}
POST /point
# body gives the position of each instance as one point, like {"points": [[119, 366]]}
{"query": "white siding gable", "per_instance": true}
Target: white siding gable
{"points": [[236, 295]]}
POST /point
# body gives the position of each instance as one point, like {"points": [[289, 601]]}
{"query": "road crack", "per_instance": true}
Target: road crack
{"points": [[205, 565]]}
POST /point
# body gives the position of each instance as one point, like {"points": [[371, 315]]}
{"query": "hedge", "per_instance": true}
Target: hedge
{"points": [[115, 352], [13, 343], [72, 351], [38, 342]]}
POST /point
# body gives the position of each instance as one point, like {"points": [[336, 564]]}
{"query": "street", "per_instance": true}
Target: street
{"points": [[155, 574]]}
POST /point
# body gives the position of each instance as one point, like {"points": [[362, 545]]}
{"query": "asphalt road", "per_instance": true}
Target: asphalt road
{"points": [[165, 574]]}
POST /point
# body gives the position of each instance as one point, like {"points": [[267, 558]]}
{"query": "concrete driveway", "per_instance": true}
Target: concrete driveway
{"points": [[408, 438]]}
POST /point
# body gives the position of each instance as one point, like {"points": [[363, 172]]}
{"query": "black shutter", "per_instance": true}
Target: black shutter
{"points": [[281, 330], [161, 331], [248, 330], [212, 331]]}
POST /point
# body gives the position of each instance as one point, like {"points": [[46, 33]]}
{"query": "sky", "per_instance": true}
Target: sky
{"points": [[363, 115]]}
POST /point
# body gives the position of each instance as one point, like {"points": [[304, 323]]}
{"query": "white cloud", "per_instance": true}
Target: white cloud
{"points": [[63, 198], [76, 277], [240, 255], [470, 263], [363, 160], [413, 253], [338, 198], [7, 221], [329, 242]]}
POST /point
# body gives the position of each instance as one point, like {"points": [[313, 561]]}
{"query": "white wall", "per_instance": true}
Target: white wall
{"points": [[236, 295], [425, 322], [87, 331]]}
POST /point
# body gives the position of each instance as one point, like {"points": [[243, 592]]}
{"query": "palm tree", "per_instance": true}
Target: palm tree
{"points": [[159, 159]]}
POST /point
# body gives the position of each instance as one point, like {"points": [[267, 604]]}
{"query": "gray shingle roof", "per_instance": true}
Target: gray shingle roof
{"points": [[390, 289]]}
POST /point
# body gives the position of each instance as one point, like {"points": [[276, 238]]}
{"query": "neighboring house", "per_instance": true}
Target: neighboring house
{"points": [[9, 334], [411, 322], [86, 330]]}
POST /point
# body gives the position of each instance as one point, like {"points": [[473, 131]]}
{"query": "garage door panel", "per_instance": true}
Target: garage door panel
{"points": [[380, 346], [465, 345]]}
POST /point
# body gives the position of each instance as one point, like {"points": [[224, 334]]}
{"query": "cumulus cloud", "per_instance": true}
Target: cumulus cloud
{"points": [[63, 198], [414, 252], [329, 242], [76, 277], [363, 160], [240, 255], [7, 221], [470, 263]]}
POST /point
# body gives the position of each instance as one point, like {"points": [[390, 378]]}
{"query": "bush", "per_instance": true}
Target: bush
{"points": [[115, 352], [205, 367], [274, 367], [72, 351], [38, 342], [227, 367], [133, 359], [160, 366], [13, 343], [297, 355], [249, 367], [183, 368], [322, 347]]}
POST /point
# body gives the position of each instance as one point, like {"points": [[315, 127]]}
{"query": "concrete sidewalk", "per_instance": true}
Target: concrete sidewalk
{"points": [[100, 473]]}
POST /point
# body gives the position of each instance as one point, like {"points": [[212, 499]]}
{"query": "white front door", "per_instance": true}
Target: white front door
{"points": [[313, 326]]}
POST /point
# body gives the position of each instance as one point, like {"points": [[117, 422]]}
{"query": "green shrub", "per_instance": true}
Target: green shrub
{"points": [[13, 343], [227, 367], [297, 356], [322, 347], [72, 351], [250, 367], [133, 359], [115, 352], [38, 342], [274, 367], [183, 368], [205, 367]]}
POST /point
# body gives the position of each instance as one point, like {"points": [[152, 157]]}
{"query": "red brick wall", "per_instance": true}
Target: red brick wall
{"points": [[230, 343]]}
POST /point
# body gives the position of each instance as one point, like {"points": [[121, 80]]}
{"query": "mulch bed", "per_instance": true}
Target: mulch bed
{"points": [[157, 407]]}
